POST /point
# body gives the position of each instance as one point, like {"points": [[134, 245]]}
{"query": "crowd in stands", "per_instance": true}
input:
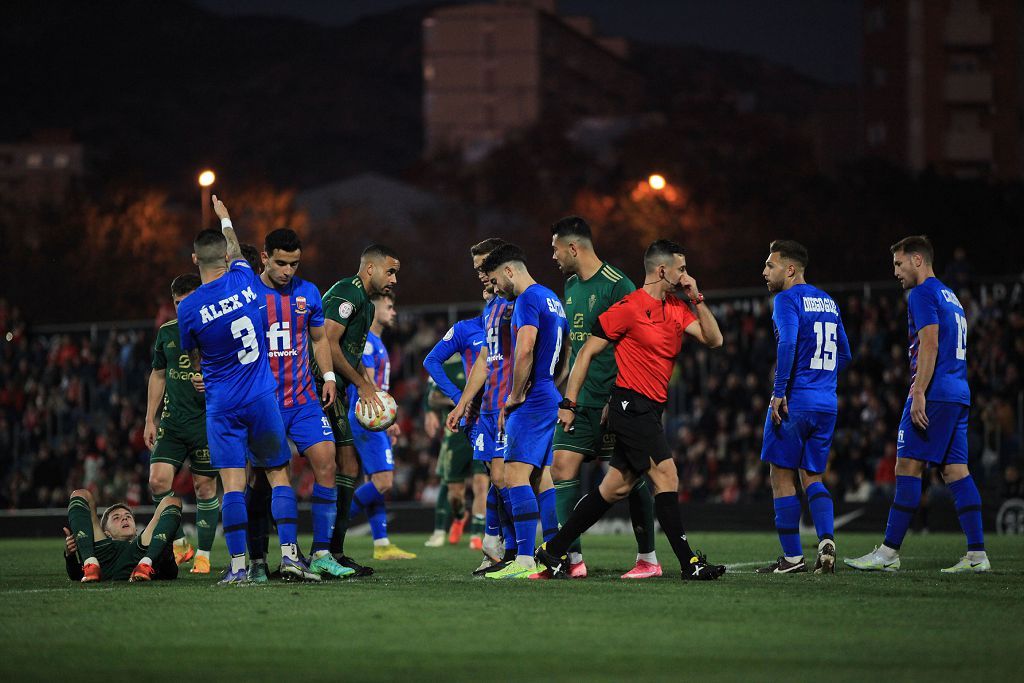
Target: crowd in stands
{"points": [[72, 405]]}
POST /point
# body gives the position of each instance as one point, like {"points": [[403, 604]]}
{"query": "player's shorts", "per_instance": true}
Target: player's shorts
{"points": [[374, 448], [175, 444], [588, 437], [945, 440], [457, 453], [487, 443], [801, 441], [307, 425], [530, 436], [635, 420], [337, 416], [252, 433]]}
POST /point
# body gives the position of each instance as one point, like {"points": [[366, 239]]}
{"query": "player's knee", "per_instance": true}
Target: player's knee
{"points": [[562, 470], [205, 487], [158, 483], [169, 501]]}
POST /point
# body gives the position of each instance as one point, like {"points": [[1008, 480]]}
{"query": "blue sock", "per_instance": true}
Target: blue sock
{"points": [[493, 520], [325, 513], [525, 515], [507, 527], [904, 505], [368, 498], [819, 500], [968, 509], [235, 519], [787, 522], [548, 514], [286, 513]]}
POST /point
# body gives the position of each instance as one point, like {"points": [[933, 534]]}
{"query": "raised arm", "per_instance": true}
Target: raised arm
{"points": [[234, 248], [705, 328]]}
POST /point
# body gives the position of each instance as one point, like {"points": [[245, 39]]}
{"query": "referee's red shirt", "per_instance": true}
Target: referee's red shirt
{"points": [[648, 334]]}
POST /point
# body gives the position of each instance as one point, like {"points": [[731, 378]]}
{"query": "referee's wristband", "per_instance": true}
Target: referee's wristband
{"points": [[225, 223], [699, 299], [330, 377]]}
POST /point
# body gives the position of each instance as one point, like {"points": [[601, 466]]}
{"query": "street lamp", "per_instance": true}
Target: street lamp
{"points": [[206, 179], [656, 181]]}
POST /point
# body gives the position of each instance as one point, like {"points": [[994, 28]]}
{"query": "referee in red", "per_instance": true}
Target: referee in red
{"points": [[647, 328]]}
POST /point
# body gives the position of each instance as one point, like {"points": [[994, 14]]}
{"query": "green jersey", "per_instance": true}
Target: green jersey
{"points": [[584, 301], [183, 405], [346, 303]]}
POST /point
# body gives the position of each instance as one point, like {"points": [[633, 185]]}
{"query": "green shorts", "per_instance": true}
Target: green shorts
{"points": [[588, 437], [175, 444], [337, 414], [118, 558], [457, 456]]}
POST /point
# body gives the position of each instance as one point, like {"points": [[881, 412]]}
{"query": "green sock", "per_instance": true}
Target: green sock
{"points": [[157, 497], [346, 489], [442, 509], [166, 526], [641, 513], [207, 516], [80, 523], [567, 494], [478, 525]]}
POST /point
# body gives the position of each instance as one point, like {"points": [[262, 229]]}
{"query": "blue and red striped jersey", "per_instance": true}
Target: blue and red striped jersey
{"points": [[288, 314], [497, 319]]}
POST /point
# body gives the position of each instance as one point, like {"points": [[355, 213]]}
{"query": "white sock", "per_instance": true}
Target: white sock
{"points": [[91, 560], [146, 560], [203, 553], [886, 552], [382, 541], [575, 558], [977, 555], [651, 557], [320, 553], [290, 551], [526, 561], [794, 559], [822, 542], [237, 563]]}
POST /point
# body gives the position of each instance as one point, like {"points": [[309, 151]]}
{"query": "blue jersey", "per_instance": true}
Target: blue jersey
{"points": [[287, 316], [539, 307], [812, 348], [497, 324], [933, 303], [224, 321], [466, 338], [377, 360]]}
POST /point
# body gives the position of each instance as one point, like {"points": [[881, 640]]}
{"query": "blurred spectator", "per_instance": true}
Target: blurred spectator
{"points": [[959, 273]]}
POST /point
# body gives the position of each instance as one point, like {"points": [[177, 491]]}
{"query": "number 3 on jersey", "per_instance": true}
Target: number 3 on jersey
{"points": [[243, 329], [824, 357]]}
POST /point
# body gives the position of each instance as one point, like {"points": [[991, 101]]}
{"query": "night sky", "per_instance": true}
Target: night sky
{"points": [[819, 38]]}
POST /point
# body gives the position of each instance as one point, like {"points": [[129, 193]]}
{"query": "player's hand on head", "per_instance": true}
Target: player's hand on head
{"points": [[197, 383], [70, 546], [688, 285], [329, 393], [219, 208]]}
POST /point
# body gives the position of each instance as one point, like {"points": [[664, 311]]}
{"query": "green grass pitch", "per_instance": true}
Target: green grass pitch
{"points": [[428, 619]]}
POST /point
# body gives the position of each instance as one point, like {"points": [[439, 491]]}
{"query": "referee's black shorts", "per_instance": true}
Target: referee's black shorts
{"points": [[635, 420]]}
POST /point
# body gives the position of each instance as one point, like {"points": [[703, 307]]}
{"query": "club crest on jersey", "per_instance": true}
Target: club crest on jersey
{"points": [[300, 304], [345, 310]]}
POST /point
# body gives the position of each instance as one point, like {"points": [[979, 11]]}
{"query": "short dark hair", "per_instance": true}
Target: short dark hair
{"points": [[252, 255], [788, 249], [378, 251], [110, 510], [504, 254], [210, 247], [659, 251], [572, 226], [915, 244], [183, 284], [283, 239], [487, 246], [377, 296]]}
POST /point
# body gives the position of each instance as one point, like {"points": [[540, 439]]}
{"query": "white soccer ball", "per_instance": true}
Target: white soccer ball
{"points": [[383, 420]]}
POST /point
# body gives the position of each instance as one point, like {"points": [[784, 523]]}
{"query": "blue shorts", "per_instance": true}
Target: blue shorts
{"points": [[945, 440], [253, 433], [487, 443], [801, 441], [307, 425], [374, 448], [530, 437]]}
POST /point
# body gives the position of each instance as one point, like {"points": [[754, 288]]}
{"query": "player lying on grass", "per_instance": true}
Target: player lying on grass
{"points": [[110, 549]]}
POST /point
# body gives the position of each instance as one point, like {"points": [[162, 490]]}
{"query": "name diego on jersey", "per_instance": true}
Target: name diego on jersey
{"points": [[211, 312], [814, 304]]}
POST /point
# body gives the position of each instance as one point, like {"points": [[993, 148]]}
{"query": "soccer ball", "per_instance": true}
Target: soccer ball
{"points": [[381, 421]]}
